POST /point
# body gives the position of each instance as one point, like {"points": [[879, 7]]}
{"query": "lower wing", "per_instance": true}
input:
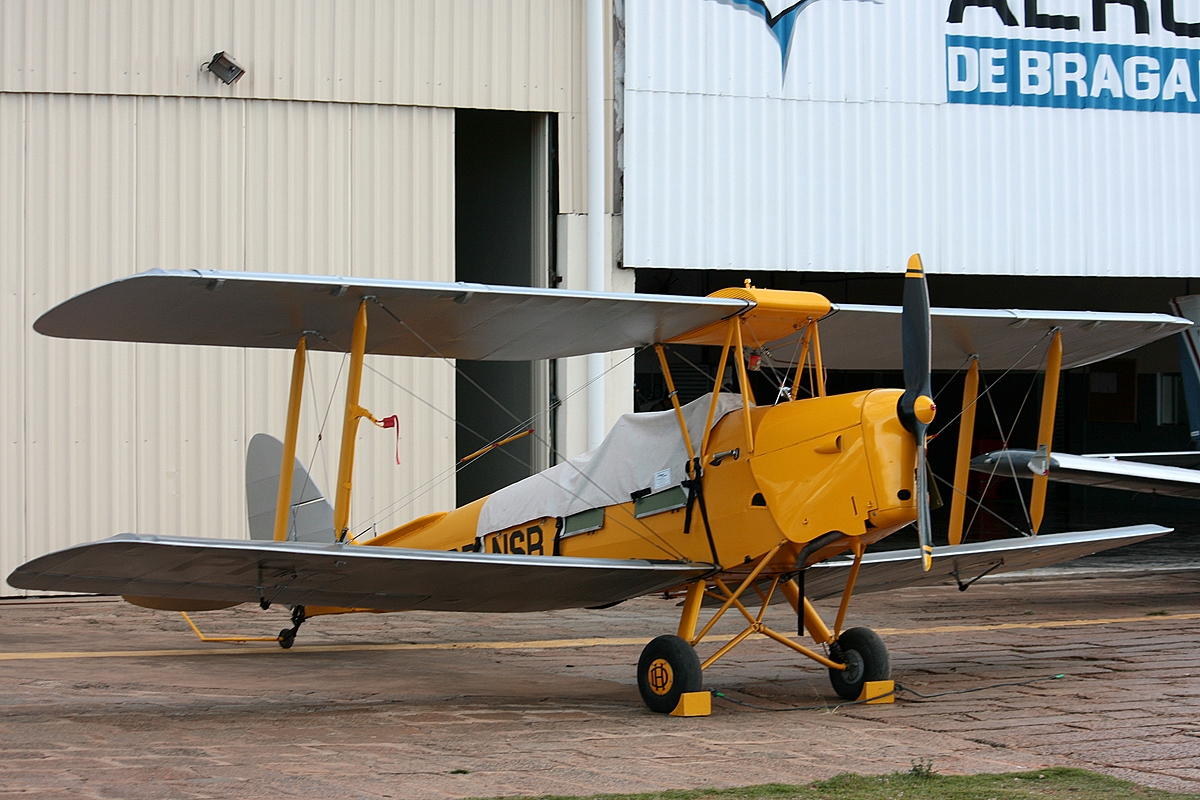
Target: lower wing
{"points": [[219, 572], [966, 563]]}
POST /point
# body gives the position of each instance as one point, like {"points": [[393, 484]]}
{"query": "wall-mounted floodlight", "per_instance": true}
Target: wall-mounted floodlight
{"points": [[225, 68]]}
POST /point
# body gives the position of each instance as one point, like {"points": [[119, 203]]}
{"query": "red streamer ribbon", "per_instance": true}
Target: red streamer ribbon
{"points": [[393, 422]]}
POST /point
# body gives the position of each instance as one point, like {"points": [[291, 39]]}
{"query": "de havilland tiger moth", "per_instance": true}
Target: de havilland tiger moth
{"points": [[720, 501]]}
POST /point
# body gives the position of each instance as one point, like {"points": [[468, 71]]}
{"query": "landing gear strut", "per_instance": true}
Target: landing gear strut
{"points": [[287, 636]]}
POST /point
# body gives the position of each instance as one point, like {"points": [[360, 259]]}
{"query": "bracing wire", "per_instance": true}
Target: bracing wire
{"points": [[396, 506], [987, 389], [979, 506], [1005, 438], [669, 549], [323, 420]]}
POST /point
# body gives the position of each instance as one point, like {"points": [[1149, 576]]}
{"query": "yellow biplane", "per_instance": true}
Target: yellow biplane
{"points": [[717, 501]]}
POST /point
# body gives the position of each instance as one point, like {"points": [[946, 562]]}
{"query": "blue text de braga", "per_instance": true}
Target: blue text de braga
{"points": [[1021, 72]]}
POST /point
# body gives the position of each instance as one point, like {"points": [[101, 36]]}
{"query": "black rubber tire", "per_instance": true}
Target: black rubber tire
{"points": [[866, 659], [287, 637], [668, 668]]}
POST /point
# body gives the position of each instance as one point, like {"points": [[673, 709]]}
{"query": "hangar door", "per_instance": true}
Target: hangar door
{"points": [[504, 167]]}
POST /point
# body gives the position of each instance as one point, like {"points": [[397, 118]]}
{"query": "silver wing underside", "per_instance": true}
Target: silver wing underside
{"points": [[406, 318], [1107, 472], [506, 323], [868, 336], [349, 576], [963, 563]]}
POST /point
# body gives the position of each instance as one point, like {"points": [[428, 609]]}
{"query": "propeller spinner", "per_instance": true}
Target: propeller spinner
{"points": [[916, 408]]}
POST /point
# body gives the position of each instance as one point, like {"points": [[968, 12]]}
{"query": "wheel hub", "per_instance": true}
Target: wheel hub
{"points": [[854, 666], [660, 676]]}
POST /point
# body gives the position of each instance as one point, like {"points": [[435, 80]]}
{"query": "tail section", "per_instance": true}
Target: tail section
{"points": [[1189, 359], [311, 516]]}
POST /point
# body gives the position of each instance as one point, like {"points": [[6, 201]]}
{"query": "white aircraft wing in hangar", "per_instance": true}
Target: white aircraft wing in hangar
{"points": [[1104, 471]]}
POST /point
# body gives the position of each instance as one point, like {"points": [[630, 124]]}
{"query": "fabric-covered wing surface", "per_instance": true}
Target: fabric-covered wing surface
{"points": [[965, 562], [406, 318], [868, 337], [480, 322], [352, 576]]}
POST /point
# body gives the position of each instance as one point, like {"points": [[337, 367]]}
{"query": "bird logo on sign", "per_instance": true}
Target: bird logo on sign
{"points": [[779, 15]]}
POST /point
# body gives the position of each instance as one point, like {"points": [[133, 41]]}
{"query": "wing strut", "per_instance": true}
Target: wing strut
{"points": [[1037, 501], [962, 467], [354, 412], [283, 504]]}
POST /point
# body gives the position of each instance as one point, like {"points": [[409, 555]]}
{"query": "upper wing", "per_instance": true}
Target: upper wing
{"points": [[508, 323], [868, 337], [1107, 472], [347, 576], [966, 562], [413, 318]]}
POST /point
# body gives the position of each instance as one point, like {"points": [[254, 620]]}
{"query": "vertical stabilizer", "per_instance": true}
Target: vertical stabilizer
{"points": [[1189, 359], [311, 515]]}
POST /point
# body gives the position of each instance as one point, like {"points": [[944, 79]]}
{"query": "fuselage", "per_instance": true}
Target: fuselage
{"points": [[838, 464]]}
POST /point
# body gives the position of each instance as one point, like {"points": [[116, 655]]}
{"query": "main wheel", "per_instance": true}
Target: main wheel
{"points": [[866, 659], [668, 668]]}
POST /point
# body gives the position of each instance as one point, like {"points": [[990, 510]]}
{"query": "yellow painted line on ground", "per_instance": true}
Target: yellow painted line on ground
{"points": [[546, 644], [1012, 626], [329, 648]]}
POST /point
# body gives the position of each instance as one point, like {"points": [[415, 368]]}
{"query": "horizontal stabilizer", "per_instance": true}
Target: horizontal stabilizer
{"points": [[310, 518], [345, 575], [1106, 472], [964, 563]]}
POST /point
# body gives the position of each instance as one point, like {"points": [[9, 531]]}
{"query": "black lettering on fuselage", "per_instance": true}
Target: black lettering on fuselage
{"points": [[535, 541], [531, 541]]}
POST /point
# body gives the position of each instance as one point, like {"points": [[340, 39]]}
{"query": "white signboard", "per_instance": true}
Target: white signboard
{"points": [[1026, 137]]}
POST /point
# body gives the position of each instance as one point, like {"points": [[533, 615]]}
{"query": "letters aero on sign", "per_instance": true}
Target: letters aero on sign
{"points": [[1003, 137], [1074, 72]]}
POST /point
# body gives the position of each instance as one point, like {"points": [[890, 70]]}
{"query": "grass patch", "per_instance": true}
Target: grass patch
{"points": [[925, 783]]}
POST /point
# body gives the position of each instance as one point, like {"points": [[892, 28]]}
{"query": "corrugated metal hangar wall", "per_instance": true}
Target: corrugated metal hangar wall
{"points": [[839, 136], [333, 155]]}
